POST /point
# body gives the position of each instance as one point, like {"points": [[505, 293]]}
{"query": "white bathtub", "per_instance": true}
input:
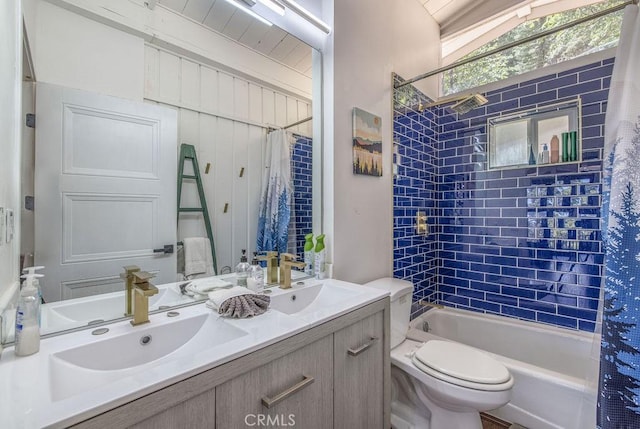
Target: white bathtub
{"points": [[554, 373]]}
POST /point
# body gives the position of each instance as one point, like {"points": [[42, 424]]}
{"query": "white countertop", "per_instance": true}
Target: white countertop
{"points": [[26, 399]]}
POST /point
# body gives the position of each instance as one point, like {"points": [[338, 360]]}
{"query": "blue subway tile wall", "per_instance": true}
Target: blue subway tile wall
{"points": [[415, 190], [523, 242], [301, 161]]}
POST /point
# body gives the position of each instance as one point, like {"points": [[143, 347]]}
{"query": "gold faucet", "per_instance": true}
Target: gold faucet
{"points": [[272, 266], [128, 277], [142, 291], [287, 260]]}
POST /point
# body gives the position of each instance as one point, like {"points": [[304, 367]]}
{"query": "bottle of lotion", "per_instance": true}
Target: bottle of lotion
{"points": [[27, 329], [31, 271]]}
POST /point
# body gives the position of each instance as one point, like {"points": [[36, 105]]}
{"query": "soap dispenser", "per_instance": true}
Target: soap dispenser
{"points": [[34, 283], [27, 336], [32, 271], [308, 254], [242, 270], [255, 282]]}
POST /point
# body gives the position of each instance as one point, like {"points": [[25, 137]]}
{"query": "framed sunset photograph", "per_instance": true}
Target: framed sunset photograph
{"points": [[367, 143]]}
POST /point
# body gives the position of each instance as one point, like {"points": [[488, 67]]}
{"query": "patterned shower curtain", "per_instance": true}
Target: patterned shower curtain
{"points": [[275, 201], [619, 389]]}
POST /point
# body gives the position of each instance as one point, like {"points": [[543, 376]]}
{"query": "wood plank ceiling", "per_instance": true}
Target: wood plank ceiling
{"points": [[226, 19], [456, 15]]}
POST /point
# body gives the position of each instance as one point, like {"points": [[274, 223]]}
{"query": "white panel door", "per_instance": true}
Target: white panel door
{"points": [[105, 190]]}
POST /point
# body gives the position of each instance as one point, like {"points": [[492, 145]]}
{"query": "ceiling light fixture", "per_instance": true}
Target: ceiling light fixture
{"points": [[304, 13], [241, 5], [274, 5]]}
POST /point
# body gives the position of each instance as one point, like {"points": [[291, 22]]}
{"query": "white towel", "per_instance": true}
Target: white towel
{"points": [[217, 297], [198, 261], [204, 286]]}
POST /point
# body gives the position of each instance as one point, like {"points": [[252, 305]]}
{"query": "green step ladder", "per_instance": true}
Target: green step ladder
{"points": [[188, 152]]}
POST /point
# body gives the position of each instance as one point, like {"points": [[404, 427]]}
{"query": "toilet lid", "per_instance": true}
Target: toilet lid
{"points": [[462, 362]]}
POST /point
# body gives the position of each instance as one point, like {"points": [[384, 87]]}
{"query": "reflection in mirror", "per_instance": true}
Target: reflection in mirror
{"points": [[546, 135], [104, 190]]}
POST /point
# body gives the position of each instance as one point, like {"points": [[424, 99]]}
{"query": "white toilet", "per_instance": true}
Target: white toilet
{"points": [[438, 384]]}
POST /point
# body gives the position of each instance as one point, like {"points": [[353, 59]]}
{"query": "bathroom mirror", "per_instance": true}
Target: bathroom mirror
{"points": [[228, 129], [544, 136]]}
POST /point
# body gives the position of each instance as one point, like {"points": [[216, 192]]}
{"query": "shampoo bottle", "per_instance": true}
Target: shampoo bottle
{"points": [[545, 154], [27, 329], [242, 270], [555, 149], [308, 254], [319, 258]]}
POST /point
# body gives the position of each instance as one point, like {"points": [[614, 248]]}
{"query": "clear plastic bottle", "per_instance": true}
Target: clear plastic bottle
{"points": [[255, 282], [27, 329], [319, 258], [242, 270]]}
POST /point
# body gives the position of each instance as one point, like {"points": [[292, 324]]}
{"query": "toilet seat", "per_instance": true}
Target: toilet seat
{"points": [[462, 365]]}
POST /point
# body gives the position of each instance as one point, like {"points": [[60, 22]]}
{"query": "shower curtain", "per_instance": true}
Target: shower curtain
{"points": [[275, 201], [619, 384]]}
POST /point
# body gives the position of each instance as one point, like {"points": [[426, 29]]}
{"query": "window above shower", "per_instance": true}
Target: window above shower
{"points": [[544, 136], [527, 19]]}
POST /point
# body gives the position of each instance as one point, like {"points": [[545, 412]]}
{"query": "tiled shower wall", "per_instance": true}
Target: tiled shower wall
{"points": [[415, 189], [301, 161], [522, 242]]}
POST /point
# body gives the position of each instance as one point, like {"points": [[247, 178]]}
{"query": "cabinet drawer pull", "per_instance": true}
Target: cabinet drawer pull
{"points": [[356, 352], [270, 402]]}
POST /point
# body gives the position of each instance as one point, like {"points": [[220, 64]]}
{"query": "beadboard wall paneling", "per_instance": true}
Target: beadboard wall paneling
{"points": [[225, 118]]}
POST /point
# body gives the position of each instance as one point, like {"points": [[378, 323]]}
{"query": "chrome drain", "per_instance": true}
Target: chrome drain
{"points": [[173, 314], [146, 340], [100, 331]]}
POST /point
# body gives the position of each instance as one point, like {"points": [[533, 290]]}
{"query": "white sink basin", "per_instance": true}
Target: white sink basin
{"points": [[79, 312], [90, 366], [309, 298]]}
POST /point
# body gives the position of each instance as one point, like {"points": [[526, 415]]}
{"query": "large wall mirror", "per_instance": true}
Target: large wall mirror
{"points": [[95, 163]]}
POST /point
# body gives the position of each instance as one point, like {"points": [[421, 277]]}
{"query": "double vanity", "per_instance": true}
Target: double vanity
{"points": [[318, 358]]}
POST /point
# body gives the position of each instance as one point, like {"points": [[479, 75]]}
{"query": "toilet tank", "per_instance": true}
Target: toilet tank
{"points": [[400, 292]]}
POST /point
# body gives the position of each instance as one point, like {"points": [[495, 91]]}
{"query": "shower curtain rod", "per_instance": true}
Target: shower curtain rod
{"points": [[301, 121], [517, 43]]}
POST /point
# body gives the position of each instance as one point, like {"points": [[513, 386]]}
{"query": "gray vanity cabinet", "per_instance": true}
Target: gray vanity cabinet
{"points": [[359, 358], [336, 375], [295, 390], [197, 412]]}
